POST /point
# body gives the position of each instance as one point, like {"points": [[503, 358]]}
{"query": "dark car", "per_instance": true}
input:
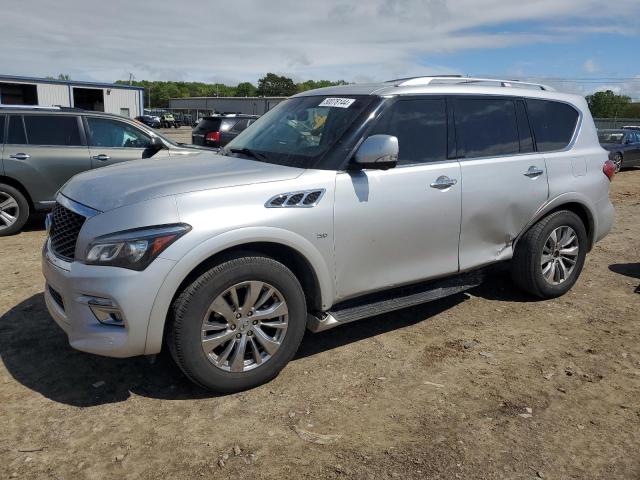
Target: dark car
{"points": [[623, 146], [149, 121], [218, 130]]}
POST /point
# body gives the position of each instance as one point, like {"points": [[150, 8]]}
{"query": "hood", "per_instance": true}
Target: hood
{"points": [[132, 182]]}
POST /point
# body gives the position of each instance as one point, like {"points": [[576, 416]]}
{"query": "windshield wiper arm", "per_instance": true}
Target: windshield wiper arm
{"points": [[249, 153]]}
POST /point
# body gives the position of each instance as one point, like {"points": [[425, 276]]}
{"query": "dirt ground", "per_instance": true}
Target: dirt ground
{"points": [[491, 384]]}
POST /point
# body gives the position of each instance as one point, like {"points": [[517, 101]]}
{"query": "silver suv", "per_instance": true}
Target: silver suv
{"points": [[338, 204], [42, 148]]}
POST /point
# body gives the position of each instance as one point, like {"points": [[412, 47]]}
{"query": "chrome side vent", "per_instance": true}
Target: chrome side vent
{"points": [[304, 199]]}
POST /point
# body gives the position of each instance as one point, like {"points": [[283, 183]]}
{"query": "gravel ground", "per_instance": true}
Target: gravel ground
{"points": [[490, 384]]}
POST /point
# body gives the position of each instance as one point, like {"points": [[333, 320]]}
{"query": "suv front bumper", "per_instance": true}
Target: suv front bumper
{"points": [[72, 288]]}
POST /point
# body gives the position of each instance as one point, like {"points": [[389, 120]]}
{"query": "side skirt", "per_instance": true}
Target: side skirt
{"points": [[391, 300]]}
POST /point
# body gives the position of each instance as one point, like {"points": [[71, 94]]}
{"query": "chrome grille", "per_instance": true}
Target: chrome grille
{"points": [[65, 227]]}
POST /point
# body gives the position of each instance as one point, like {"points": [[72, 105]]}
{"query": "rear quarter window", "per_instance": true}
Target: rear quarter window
{"points": [[553, 123]]}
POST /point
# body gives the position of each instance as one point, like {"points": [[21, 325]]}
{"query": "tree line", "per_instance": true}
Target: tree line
{"points": [[271, 85], [607, 104]]}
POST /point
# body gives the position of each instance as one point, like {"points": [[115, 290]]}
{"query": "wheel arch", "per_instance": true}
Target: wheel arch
{"points": [[18, 186], [295, 252], [573, 204]]}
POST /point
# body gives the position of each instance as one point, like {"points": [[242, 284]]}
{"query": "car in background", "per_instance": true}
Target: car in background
{"points": [[631, 127], [42, 148], [167, 120], [149, 120], [217, 130], [623, 145]]}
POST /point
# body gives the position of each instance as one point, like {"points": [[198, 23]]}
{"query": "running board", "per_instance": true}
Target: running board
{"points": [[395, 299]]}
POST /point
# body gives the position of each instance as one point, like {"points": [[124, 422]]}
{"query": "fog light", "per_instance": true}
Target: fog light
{"points": [[106, 312]]}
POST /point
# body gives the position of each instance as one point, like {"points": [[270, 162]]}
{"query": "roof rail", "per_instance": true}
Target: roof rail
{"points": [[459, 80], [29, 107]]}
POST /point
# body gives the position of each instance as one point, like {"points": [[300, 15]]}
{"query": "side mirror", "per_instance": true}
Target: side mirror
{"points": [[378, 151], [156, 143]]}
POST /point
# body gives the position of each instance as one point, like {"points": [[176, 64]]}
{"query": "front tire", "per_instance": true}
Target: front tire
{"points": [[549, 257], [14, 210], [237, 325]]}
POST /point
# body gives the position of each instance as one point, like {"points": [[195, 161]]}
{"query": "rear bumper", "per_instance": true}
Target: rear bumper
{"points": [[605, 216], [71, 288]]}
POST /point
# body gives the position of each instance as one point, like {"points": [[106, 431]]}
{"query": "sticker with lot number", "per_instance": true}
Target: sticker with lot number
{"points": [[337, 102]]}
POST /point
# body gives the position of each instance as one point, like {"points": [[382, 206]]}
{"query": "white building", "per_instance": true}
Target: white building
{"points": [[103, 97]]}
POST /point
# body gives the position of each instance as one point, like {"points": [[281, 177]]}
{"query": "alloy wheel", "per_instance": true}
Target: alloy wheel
{"points": [[244, 326], [617, 161], [559, 255], [9, 210]]}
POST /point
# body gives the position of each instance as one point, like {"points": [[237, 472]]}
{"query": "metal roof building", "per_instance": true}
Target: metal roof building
{"points": [[205, 105], [123, 100]]}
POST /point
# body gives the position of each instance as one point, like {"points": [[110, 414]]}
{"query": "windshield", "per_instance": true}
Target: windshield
{"points": [[610, 136], [299, 131]]}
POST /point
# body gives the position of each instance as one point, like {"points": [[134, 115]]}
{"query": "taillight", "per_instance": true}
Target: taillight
{"points": [[609, 169], [213, 137]]}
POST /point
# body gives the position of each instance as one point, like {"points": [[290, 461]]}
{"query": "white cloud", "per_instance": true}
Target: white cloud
{"points": [[242, 40], [590, 66]]}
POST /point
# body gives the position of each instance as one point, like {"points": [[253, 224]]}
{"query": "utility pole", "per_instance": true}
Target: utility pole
{"points": [[131, 77]]}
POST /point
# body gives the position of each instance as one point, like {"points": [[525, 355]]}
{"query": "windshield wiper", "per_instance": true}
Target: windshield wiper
{"points": [[249, 153]]}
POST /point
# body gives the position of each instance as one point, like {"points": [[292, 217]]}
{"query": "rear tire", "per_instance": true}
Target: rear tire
{"points": [[14, 210], [234, 301], [617, 160], [549, 257]]}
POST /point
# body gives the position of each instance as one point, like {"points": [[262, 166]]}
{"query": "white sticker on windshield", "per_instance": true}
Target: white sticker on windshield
{"points": [[337, 102]]}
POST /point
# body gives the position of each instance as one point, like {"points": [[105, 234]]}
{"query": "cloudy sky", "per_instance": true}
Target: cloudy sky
{"points": [[578, 45]]}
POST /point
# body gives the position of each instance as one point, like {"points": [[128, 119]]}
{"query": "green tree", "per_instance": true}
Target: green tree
{"points": [[313, 84], [61, 76], [631, 110], [272, 85], [607, 104], [246, 89]]}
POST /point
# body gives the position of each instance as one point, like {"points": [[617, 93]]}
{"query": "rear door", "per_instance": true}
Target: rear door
{"points": [[634, 149], [113, 141], [43, 151], [504, 182]]}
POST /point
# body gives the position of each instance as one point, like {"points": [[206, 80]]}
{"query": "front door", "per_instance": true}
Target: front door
{"points": [[42, 152], [504, 180], [113, 141], [401, 225]]}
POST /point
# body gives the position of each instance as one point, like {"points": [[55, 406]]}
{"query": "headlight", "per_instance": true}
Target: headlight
{"points": [[133, 249]]}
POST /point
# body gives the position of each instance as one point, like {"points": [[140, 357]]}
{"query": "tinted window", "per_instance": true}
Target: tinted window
{"points": [[104, 132], [52, 130], [553, 123], [486, 127], [1, 128], [209, 124], [228, 124], [241, 125], [421, 128], [16, 133]]}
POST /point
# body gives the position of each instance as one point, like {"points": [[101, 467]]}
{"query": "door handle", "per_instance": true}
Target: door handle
{"points": [[102, 157], [534, 172], [20, 156], [443, 182]]}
